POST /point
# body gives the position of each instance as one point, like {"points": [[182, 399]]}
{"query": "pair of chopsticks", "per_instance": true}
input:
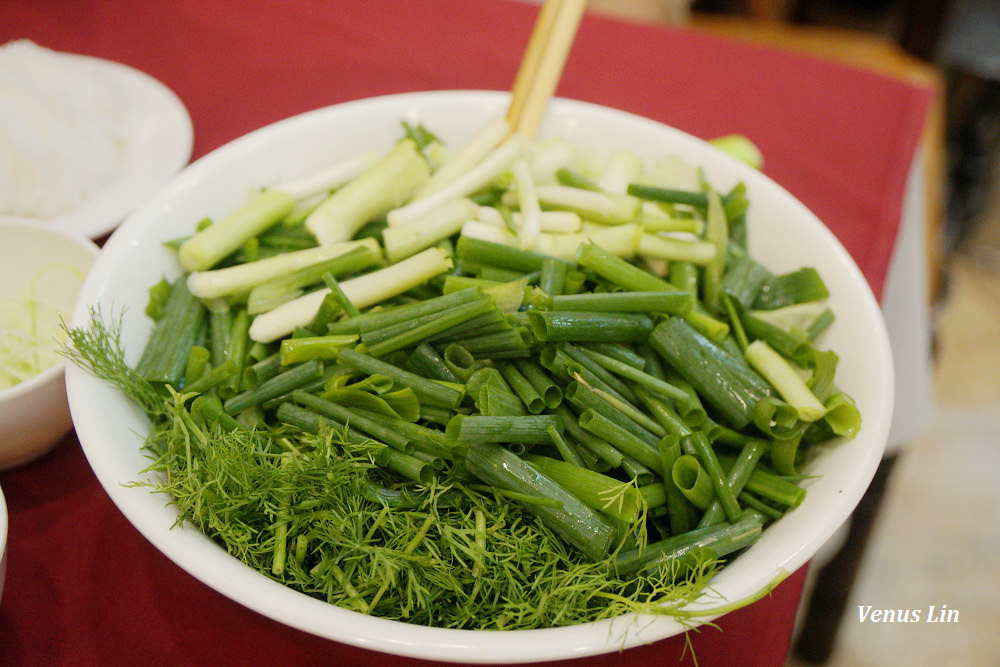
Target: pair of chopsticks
{"points": [[542, 64]]}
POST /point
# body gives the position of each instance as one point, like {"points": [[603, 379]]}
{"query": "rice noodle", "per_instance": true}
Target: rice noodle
{"points": [[63, 127]]}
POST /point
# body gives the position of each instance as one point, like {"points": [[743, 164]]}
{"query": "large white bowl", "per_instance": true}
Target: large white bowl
{"points": [[51, 264], [784, 236]]}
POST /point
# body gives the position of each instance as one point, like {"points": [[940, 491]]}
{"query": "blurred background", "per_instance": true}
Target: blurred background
{"points": [[929, 531]]}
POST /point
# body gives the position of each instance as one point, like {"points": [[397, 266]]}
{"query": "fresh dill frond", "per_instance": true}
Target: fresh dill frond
{"points": [[97, 349]]}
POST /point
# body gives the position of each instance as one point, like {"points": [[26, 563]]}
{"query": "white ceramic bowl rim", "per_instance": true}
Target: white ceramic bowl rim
{"points": [[108, 427]]}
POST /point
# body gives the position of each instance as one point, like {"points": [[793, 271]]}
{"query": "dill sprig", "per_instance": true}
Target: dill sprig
{"points": [[481, 562], [98, 350]]}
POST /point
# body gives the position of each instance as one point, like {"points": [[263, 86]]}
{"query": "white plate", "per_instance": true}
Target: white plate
{"points": [[784, 236], [160, 147]]}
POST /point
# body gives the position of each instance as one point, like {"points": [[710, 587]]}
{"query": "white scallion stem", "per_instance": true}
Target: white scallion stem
{"points": [[479, 176], [548, 157], [390, 182], [530, 212], [672, 249], [559, 222], [362, 291], [785, 379], [217, 241], [488, 137], [402, 241], [330, 178], [623, 168], [619, 240], [598, 204], [242, 278]]}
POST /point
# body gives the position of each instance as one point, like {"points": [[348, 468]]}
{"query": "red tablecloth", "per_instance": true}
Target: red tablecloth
{"points": [[83, 587]]}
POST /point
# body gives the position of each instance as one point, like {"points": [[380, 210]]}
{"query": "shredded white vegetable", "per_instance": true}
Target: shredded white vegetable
{"points": [[29, 339], [31, 335]]}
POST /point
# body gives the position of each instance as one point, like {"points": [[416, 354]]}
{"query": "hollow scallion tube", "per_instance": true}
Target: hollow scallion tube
{"points": [[723, 539], [621, 439], [430, 391], [498, 254], [425, 360], [261, 370], [584, 397], [651, 383], [792, 344], [771, 487], [690, 477], [606, 379], [800, 286], [220, 322], [213, 377], [616, 270], [743, 278], [585, 326], [671, 301], [239, 279], [668, 195], [355, 419], [491, 322], [630, 411], [390, 182], [600, 448], [600, 492], [716, 233], [736, 478], [725, 381], [409, 466], [311, 422], [492, 395], [626, 354], [197, 363], [210, 409], [439, 323], [546, 387], [576, 523], [295, 350], [239, 344], [565, 448], [553, 276], [165, 356], [427, 229], [678, 509], [526, 391], [378, 319], [672, 249], [521, 429], [363, 291], [274, 387], [663, 413], [698, 445], [459, 361]]}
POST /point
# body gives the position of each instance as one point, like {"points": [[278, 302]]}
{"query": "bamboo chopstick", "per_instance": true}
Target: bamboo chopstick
{"points": [[542, 64]]}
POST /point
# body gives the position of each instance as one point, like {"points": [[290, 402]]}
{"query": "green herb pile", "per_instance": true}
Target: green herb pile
{"points": [[492, 390]]}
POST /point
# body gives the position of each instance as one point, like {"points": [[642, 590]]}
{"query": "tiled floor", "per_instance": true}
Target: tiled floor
{"points": [[939, 534]]}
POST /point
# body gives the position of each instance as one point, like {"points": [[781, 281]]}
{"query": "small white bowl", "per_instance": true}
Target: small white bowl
{"points": [[34, 413], [784, 236]]}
